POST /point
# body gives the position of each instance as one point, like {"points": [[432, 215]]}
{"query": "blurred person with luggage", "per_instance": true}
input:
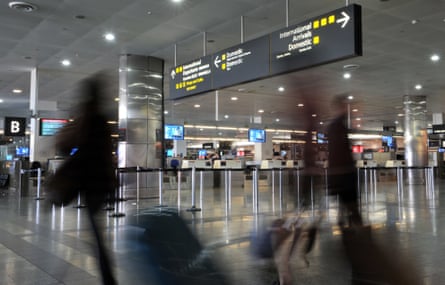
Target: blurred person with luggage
{"points": [[88, 168]]}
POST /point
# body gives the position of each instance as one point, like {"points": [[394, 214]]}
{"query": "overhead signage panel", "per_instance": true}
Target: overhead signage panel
{"points": [[241, 63], [323, 39], [191, 78]]}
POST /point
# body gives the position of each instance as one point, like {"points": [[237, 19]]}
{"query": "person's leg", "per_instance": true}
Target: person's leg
{"points": [[104, 261]]}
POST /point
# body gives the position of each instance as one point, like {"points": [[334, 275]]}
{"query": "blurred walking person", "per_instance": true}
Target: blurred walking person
{"points": [[342, 176]]}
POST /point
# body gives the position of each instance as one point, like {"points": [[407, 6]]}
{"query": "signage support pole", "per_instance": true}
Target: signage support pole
{"points": [[242, 29], [204, 44], [216, 105], [175, 54], [287, 13]]}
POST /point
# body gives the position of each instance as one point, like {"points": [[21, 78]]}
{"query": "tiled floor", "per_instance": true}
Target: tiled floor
{"points": [[40, 244]]}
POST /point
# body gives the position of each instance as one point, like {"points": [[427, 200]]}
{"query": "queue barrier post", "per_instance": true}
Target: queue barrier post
{"points": [[193, 208]]}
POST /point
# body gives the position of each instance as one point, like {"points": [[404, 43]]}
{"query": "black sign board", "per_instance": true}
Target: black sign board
{"points": [[326, 38], [191, 78], [330, 37], [241, 63], [439, 129], [15, 127]]}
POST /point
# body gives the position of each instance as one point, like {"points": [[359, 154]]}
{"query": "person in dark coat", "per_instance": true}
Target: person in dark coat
{"points": [[341, 171], [90, 135]]}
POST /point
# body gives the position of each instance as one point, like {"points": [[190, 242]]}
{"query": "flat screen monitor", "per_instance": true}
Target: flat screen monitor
{"points": [[49, 127], [22, 151], [257, 135], [169, 152], [202, 153], [388, 141], [368, 156], [174, 132]]}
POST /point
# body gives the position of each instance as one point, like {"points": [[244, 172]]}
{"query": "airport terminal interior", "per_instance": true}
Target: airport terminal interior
{"points": [[219, 114]]}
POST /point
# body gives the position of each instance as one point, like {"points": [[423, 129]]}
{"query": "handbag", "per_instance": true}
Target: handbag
{"points": [[63, 186]]}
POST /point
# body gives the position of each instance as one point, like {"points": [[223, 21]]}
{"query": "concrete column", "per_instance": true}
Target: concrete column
{"points": [[141, 111], [416, 152]]}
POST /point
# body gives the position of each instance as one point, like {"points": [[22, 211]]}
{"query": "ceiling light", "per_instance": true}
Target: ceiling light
{"points": [[234, 98], [321, 123], [1, 100], [400, 115], [22, 6], [358, 126], [346, 75], [260, 111], [197, 106], [109, 37], [226, 116], [66, 62], [17, 91], [177, 1], [396, 122], [435, 57], [358, 119], [281, 89], [277, 120], [350, 97], [314, 115], [414, 21], [165, 112], [354, 110], [418, 86], [300, 105]]}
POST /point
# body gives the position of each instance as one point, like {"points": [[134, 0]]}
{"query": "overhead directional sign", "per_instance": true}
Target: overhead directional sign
{"points": [[326, 38], [191, 78], [241, 63]]}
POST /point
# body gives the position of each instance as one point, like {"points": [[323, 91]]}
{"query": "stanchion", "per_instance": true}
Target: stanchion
{"points": [[226, 190], [161, 179], [79, 202], [138, 185], [255, 198], [193, 208], [326, 183], [201, 188], [273, 190], [280, 188], [298, 189], [39, 178], [179, 174], [118, 197]]}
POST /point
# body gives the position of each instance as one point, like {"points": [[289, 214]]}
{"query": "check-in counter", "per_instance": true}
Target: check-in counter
{"points": [[366, 163], [274, 163], [230, 164], [395, 163], [295, 164], [196, 163]]}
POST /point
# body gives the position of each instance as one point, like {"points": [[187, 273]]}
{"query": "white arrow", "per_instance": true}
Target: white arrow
{"points": [[173, 74], [217, 61], [344, 20]]}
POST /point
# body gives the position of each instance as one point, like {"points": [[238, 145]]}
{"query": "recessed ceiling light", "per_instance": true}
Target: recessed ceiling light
{"points": [[396, 122], [314, 115], [321, 123], [177, 1], [234, 98], [260, 111], [197, 106], [350, 97], [1, 100], [66, 62], [400, 115], [358, 119], [17, 91], [277, 120], [165, 112], [354, 110], [281, 89], [418, 86], [435, 57], [358, 126], [226, 116], [22, 6], [414, 21], [300, 105], [109, 37], [346, 75]]}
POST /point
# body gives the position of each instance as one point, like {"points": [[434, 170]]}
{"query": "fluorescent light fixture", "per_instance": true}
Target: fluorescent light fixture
{"points": [[354, 110], [281, 89], [260, 111], [277, 120], [346, 75], [234, 98], [197, 106], [300, 105], [65, 62], [17, 91], [1, 100], [165, 112], [314, 115], [418, 86], [350, 97]]}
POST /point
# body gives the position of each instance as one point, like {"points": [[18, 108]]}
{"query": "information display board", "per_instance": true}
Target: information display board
{"points": [[191, 78], [323, 39], [241, 63], [327, 38]]}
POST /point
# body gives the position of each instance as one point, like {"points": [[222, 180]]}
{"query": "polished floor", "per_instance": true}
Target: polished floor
{"points": [[45, 245]]}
